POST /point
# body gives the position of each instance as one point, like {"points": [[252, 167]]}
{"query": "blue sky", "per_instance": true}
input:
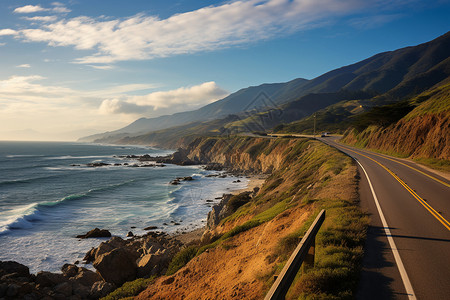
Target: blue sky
{"points": [[77, 67]]}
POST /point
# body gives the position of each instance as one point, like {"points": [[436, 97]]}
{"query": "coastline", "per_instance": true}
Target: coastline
{"points": [[193, 236], [135, 256]]}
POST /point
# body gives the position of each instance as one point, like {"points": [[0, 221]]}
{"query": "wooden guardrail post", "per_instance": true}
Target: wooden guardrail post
{"points": [[284, 280]]}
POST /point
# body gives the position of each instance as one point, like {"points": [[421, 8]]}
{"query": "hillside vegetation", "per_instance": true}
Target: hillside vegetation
{"points": [[336, 96], [419, 128], [251, 245]]}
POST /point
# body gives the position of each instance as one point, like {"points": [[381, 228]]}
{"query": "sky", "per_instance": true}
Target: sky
{"points": [[78, 67]]}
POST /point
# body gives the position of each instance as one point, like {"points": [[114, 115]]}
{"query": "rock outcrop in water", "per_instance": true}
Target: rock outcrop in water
{"points": [[95, 233]]}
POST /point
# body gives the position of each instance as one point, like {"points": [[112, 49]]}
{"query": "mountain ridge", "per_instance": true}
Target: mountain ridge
{"points": [[389, 76]]}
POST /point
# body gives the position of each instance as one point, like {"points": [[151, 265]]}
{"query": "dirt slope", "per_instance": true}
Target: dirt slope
{"points": [[305, 175], [423, 133]]}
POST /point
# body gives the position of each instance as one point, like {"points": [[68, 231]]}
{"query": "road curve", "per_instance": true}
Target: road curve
{"points": [[416, 206]]}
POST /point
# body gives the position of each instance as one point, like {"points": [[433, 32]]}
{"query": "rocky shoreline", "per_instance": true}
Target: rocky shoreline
{"points": [[120, 260], [116, 261]]}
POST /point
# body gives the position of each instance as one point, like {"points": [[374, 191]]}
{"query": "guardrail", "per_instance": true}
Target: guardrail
{"points": [[303, 253]]}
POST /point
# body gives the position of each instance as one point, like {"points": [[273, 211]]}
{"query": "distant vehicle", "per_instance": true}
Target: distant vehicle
{"points": [[325, 134], [260, 133]]}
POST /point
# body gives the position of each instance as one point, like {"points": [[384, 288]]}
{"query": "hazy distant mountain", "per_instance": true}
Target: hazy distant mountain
{"points": [[392, 76], [244, 99]]}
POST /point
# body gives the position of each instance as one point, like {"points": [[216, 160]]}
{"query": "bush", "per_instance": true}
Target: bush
{"points": [[238, 200], [130, 289], [181, 259]]}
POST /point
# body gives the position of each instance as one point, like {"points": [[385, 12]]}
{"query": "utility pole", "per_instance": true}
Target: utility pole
{"points": [[314, 125]]}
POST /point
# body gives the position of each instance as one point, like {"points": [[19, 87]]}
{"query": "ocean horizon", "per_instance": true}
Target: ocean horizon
{"points": [[50, 192]]}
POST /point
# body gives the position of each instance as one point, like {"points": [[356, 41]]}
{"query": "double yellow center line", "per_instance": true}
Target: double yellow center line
{"points": [[412, 168], [436, 214]]}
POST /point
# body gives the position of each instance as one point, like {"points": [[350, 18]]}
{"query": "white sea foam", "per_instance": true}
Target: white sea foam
{"points": [[18, 218], [77, 157], [56, 201], [22, 155]]}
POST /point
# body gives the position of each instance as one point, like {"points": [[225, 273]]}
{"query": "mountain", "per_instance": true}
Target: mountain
{"points": [[379, 80], [242, 100]]}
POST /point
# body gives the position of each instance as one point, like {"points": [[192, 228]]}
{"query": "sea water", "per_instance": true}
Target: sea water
{"points": [[49, 194]]}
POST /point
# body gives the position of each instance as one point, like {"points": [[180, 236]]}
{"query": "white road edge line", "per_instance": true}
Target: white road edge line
{"points": [[398, 260]]}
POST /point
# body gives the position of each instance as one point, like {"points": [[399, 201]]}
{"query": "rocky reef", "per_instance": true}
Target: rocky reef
{"points": [[115, 260]]}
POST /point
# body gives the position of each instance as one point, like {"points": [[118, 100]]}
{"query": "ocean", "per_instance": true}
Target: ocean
{"points": [[48, 195]]}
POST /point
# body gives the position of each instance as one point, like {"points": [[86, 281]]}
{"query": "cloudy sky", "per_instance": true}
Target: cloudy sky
{"points": [[78, 67]]}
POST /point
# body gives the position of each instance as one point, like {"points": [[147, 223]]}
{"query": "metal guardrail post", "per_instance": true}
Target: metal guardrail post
{"points": [[284, 280]]}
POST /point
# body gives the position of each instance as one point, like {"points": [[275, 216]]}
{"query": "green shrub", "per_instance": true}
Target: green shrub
{"points": [[238, 200], [181, 259], [130, 289]]}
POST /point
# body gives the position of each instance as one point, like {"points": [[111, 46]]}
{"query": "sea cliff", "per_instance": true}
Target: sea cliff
{"points": [[256, 232], [249, 236]]}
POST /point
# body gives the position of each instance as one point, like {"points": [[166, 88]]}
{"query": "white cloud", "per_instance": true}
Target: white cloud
{"points": [[24, 66], [30, 102], [27, 88], [102, 67], [8, 32], [369, 22], [181, 99], [27, 9], [61, 9], [206, 29], [42, 18]]}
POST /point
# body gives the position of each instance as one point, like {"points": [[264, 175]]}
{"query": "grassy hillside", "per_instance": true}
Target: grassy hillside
{"points": [[254, 243], [397, 75], [419, 128]]}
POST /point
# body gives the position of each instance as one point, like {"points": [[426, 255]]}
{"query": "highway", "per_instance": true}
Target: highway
{"points": [[407, 252]]}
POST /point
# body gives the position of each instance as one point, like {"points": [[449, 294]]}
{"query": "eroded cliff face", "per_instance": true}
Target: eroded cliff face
{"points": [[251, 243], [254, 155], [422, 133], [424, 136]]}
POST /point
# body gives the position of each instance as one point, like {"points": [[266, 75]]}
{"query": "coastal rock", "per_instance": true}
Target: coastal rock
{"points": [[64, 288], [3, 289], [130, 234], [104, 247], [95, 233], [213, 167], [100, 289], [152, 264], [151, 228], [13, 290], [86, 277], [48, 279], [97, 164], [217, 212], [81, 291], [80, 275], [117, 266], [69, 270], [12, 267]]}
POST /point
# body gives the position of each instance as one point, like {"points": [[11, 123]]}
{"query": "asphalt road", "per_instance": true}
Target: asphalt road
{"points": [[417, 225]]}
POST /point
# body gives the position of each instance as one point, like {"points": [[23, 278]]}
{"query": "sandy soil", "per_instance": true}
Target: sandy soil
{"points": [[234, 271], [255, 181]]}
